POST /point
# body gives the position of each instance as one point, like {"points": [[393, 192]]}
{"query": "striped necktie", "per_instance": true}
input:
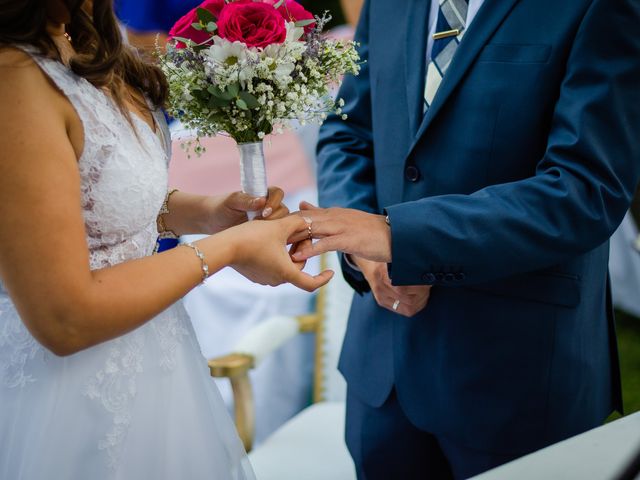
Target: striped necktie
{"points": [[452, 17]]}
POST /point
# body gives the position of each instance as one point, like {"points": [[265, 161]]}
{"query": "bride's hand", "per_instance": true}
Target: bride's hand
{"points": [[231, 210], [259, 252]]}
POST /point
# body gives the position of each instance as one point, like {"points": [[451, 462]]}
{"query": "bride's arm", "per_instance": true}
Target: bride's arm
{"points": [[44, 258], [190, 213]]}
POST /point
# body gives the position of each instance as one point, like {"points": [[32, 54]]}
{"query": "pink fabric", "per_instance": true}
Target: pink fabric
{"points": [[218, 170]]}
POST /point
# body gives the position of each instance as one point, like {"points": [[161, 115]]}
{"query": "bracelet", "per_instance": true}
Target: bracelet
{"points": [[200, 255], [162, 227]]}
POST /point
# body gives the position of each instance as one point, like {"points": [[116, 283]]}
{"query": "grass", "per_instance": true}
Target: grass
{"points": [[628, 328]]}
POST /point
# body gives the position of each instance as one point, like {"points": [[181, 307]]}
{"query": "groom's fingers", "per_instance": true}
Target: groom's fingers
{"points": [[308, 282], [328, 244], [304, 205]]}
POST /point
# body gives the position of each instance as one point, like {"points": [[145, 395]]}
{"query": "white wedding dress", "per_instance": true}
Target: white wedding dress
{"points": [[141, 406]]}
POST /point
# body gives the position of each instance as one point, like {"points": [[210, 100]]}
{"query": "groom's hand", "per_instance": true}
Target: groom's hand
{"points": [[413, 299]]}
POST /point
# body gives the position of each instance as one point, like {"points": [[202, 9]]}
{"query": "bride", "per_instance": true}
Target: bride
{"points": [[100, 373]]}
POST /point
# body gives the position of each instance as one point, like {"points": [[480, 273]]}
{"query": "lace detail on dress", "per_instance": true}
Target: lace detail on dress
{"points": [[17, 345], [115, 388], [170, 330]]}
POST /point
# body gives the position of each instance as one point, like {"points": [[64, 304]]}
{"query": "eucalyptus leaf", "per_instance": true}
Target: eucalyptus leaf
{"points": [[196, 26], [304, 23], [241, 104], [205, 16], [211, 27], [279, 4], [249, 99]]}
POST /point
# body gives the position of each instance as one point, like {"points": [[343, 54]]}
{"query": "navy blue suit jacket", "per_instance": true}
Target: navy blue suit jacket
{"points": [[503, 197]]}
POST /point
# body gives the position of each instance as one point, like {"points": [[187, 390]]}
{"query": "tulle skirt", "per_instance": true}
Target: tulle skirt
{"points": [[138, 407]]}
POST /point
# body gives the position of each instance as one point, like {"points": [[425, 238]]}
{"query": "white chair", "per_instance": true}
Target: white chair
{"points": [[311, 445]]}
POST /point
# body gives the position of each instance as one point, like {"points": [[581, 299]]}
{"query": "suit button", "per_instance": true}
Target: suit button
{"points": [[460, 277], [449, 277], [412, 173], [439, 277], [429, 278]]}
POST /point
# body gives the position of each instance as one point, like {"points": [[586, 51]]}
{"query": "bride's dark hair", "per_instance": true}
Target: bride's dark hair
{"points": [[101, 58]]}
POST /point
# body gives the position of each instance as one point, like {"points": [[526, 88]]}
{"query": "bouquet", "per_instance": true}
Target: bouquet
{"points": [[244, 68]]}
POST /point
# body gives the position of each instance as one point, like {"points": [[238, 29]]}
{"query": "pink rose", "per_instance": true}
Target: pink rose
{"points": [[183, 27], [292, 11], [255, 24]]}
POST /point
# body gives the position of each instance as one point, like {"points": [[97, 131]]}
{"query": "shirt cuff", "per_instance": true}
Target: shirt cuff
{"points": [[351, 263]]}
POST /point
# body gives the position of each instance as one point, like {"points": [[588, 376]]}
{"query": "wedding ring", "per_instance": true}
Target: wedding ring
{"points": [[309, 224], [395, 305]]}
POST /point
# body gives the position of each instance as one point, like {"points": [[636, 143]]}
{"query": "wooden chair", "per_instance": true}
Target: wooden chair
{"points": [[311, 445]]}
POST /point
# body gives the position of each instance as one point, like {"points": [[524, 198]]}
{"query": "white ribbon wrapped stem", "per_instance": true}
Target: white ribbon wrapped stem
{"points": [[253, 174]]}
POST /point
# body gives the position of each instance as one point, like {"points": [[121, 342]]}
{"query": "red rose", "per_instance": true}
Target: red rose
{"points": [[292, 11], [255, 24], [183, 27]]}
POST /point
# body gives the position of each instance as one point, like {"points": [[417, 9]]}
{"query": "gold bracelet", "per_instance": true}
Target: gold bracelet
{"points": [[162, 227], [200, 255]]}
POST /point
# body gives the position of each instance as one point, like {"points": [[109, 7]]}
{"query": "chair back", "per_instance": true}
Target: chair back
{"points": [[333, 306]]}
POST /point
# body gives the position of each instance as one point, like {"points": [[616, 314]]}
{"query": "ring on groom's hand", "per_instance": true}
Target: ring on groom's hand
{"points": [[395, 305], [309, 224]]}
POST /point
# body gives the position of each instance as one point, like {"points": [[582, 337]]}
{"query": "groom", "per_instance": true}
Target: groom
{"points": [[501, 140]]}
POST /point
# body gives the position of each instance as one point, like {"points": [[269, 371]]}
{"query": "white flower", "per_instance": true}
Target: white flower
{"points": [[224, 52], [235, 57], [293, 33]]}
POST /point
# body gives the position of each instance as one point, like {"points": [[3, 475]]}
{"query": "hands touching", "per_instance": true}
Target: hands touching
{"points": [[367, 239], [346, 230], [412, 299], [258, 251]]}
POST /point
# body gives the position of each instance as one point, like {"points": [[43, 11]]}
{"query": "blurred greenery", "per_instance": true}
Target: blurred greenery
{"points": [[318, 6], [628, 328]]}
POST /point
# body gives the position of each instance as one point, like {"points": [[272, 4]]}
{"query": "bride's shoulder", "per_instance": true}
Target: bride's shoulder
{"points": [[22, 81], [15, 62]]}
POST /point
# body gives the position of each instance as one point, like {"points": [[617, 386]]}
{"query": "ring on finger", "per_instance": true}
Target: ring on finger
{"points": [[395, 305], [309, 225]]}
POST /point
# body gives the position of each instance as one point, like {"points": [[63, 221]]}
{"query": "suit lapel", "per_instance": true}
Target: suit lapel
{"points": [[488, 19], [417, 26]]}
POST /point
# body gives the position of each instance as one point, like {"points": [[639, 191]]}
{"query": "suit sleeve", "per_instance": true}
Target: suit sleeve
{"points": [[582, 187], [346, 176]]}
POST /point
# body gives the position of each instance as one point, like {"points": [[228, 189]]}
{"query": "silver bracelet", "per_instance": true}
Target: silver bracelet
{"points": [[200, 255]]}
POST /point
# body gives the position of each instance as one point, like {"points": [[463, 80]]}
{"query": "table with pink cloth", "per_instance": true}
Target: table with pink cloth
{"points": [[228, 305]]}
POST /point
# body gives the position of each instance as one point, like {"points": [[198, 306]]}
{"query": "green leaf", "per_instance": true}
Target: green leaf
{"points": [[233, 89], [279, 4], [205, 16], [196, 26], [249, 99], [215, 102], [184, 40], [211, 27], [241, 104], [304, 23], [215, 91]]}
